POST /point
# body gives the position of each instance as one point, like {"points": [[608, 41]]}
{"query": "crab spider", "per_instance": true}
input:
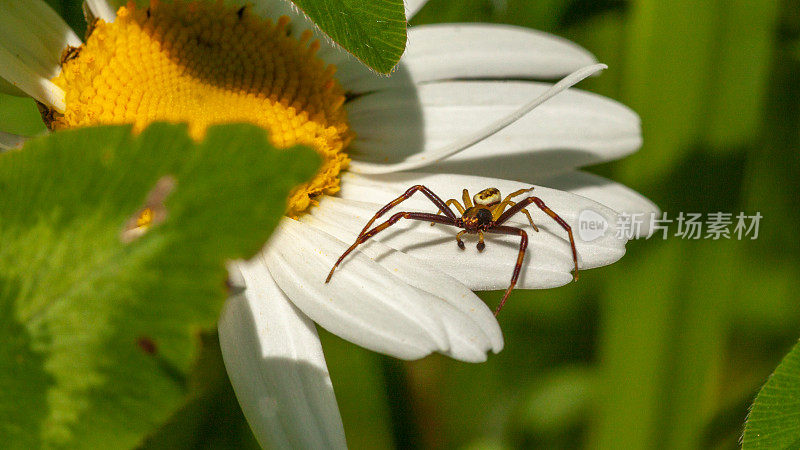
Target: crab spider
{"points": [[486, 215]]}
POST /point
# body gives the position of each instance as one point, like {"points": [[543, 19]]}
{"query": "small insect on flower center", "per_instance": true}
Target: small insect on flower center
{"points": [[204, 63], [487, 197]]}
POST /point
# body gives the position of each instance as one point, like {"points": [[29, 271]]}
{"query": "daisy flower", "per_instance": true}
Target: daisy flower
{"points": [[463, 110]]}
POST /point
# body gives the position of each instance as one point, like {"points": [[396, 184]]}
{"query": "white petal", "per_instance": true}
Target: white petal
{"points": [[576, 127], [548, 260], [463, 51], [474, 136], [9, 141], [618, 197], [22, 77], [275, 363], [573, 129], [34, 34], [609, 193], [413, 6], [428, 278], [17, 39], [32, 37], [369, 303], [103, 9]]}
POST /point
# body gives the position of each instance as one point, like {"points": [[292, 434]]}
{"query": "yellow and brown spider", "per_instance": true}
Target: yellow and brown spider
{"points": [[486, 215]]}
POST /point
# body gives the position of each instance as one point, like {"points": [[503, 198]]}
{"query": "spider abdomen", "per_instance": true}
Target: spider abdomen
{"points": [[487, 197]]}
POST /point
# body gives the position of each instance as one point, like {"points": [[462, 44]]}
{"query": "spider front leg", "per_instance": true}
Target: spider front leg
{"points": [[416, 188], [466, 198], [523, 245], [500, 207], [425, 217], [540, 204], [518, 193], [451, 202]]}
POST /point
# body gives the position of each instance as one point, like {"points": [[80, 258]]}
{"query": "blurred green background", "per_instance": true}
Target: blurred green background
{"points": [[668, 347]]}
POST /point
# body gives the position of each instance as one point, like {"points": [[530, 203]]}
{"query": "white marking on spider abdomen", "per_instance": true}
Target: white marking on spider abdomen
{"points": [[487, 197]]}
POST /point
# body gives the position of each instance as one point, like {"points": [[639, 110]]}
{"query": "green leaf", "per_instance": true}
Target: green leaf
{"points": [[373, 31], [19, 115], [211, 417], [100, 326], [774, 419]]}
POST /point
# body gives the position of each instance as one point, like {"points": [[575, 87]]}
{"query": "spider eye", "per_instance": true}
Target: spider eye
{"points": [[487, 197]]}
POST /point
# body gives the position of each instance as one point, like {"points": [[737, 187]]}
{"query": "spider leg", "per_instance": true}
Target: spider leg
{"points": [[454, 202], [527, 214], [539, 203], [500, 207], [425, 217], [518, 193], [458, 239], [467, 200], [523, 244], [451, 202], [417, 188], [480, 245]]}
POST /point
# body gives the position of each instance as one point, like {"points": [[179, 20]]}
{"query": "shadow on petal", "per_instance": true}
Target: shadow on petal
{"points": [[523, 167], [276, 366], [401, 119]]}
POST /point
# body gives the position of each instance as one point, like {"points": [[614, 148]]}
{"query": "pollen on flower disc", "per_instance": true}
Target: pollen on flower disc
{"points": [[203, 63]]}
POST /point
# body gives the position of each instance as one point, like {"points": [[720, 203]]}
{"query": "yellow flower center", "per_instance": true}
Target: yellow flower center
{"points": [[204, 64]]}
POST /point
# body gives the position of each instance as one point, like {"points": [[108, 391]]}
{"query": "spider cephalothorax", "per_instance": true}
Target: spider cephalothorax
{"points": [[486, 215]]}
